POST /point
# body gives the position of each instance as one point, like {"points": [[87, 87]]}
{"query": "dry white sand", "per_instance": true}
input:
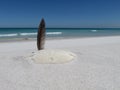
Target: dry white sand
{"points": [[97, 66]]}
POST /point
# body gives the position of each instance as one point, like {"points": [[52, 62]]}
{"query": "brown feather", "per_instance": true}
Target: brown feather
{"points": [[41, 35]]}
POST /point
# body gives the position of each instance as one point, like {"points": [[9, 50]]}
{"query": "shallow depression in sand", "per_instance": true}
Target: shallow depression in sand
{"points": [[53, 56]]}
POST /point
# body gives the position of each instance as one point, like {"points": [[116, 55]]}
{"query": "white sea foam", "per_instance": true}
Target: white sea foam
{"points": [[48, 33], [28, 34], [55, 33], [94, 30], [25, 34], [8, 35]]}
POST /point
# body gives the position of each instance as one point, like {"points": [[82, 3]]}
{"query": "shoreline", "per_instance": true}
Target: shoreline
{"points": [[54, 38]]}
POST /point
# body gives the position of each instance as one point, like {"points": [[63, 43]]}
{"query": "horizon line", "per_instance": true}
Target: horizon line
{"points": [[59, 27]]}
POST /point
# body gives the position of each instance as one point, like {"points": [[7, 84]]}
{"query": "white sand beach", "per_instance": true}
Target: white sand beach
{"points": [[96, 67]]}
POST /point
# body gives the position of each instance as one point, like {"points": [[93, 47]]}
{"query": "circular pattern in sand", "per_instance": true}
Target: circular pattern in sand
{"points": [[52, 56]]}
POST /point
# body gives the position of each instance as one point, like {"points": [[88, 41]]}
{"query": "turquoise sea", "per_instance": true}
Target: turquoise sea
{"points": [[26, 33]]}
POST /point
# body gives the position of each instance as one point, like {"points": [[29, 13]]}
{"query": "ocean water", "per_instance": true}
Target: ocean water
{"points": [[26, 33]]}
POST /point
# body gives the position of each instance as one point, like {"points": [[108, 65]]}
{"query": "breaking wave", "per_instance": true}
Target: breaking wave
{"points": [[8, 35], [55, 33], [28, 34], [94, 30]]}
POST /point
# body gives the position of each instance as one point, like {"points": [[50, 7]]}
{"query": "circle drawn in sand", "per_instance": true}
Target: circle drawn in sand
{"points": [[52, 56]]}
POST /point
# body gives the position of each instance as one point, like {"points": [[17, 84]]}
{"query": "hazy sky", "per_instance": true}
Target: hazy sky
{"points": [[60, 13]]}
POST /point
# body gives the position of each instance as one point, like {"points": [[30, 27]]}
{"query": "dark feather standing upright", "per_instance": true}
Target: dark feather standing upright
{"points": [[41, 35]]}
